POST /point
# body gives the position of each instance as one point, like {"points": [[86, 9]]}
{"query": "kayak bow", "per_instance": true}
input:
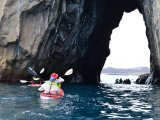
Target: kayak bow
{"points": [[35, 85], [52, 96]]}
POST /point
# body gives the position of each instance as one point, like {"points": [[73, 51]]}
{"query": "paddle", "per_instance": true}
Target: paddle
{"points": [[24, 81], [32, 72], [60, 80], [42, 71], [70, 71]]}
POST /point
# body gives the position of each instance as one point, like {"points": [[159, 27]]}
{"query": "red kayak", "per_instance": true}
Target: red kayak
{"points": [[52, 96], [35, 85]]}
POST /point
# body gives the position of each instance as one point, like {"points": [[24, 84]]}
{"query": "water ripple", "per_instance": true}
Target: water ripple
{"points": [[92, 102]]}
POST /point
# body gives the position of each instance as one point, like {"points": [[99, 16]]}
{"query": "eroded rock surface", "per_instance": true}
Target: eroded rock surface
{"points": [[151, 13], [63, 34]]}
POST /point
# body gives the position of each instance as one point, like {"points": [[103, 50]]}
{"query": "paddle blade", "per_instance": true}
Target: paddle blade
{"points": [[70, 71], [23, 81], [42, 71], [31, 71], [59, 80]]}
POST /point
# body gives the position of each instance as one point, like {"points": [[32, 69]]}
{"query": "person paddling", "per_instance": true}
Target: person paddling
{"points": [[51, 86]]}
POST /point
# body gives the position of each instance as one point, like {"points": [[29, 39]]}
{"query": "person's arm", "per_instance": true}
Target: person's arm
{"points": [[41, 88], [59, 80]]}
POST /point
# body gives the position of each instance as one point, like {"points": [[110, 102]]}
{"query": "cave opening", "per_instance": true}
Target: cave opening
{"points": [[128, 46]]}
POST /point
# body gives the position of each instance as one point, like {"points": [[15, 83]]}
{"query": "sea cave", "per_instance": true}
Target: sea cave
{"points": [[63, 34]]}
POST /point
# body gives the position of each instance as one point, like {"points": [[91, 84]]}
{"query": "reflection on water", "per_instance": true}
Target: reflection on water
{"points": [[47, 103], [127, 101], [81, 102], [110, 79]]}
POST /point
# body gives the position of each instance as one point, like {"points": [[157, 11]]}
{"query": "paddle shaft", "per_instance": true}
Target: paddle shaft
{"points": [[30, 70]]}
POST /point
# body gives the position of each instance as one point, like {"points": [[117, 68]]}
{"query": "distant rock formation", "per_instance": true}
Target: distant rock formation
{"points": [[120, 81], [63, 34], [126, 71], [142, 79]]}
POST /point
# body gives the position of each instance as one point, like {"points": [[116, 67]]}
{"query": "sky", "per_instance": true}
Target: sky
{"points": [[129, 44]]}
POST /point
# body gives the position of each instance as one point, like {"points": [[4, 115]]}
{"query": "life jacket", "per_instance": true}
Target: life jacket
{"points": [[36, 80], [54, 83]]}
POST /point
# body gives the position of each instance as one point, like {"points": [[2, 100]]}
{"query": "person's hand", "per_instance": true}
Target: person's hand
{"points": [[40, 89]]}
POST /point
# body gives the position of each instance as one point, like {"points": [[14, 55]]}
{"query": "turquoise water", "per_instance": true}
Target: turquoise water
{"points": [[81, 102]]}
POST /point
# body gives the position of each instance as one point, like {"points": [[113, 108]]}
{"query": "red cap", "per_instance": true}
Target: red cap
{"points": [[54, 75]]}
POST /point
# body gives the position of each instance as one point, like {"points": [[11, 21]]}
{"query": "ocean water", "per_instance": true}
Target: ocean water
{"points": [[106, 101], [110, 79]]}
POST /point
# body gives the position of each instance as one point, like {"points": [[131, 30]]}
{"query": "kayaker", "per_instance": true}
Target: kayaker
{"points": [[51, 86]]}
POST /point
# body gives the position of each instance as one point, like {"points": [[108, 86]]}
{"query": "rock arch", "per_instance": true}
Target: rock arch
{"points": [[63, 34]]}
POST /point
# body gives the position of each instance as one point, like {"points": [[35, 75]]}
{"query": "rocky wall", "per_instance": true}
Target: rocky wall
{"points": [[63, 34]]}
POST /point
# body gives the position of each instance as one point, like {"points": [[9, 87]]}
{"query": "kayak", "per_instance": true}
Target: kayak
{"points": [[35, 85], [31, 83], [52, 96]]}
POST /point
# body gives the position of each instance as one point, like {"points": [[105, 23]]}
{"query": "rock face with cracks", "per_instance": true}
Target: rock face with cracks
{"points": [[63, 34], [150, 10]]}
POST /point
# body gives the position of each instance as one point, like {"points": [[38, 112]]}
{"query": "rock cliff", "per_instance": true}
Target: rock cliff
{"points": [[63, 34], [150, 10]]}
